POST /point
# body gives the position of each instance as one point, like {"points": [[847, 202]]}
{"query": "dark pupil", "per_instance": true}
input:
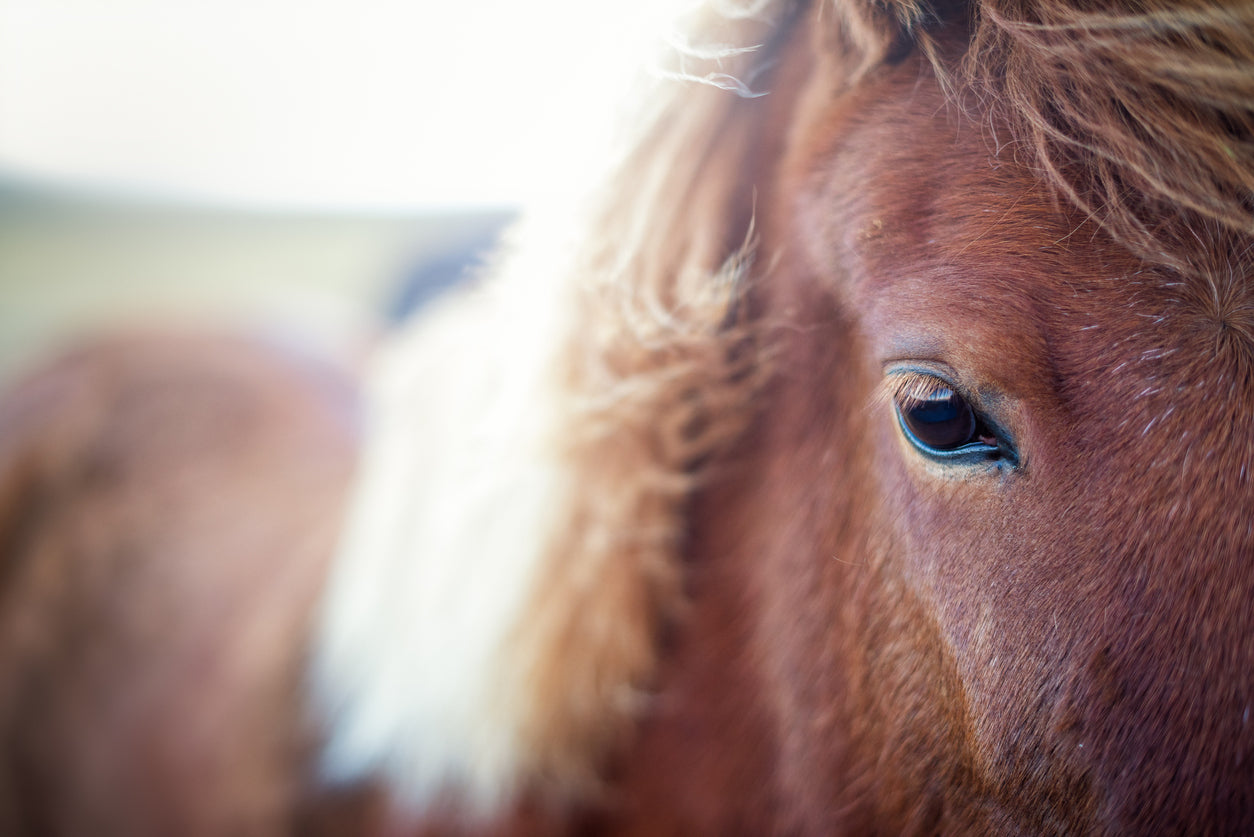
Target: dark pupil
{"points": [[943, 420]]}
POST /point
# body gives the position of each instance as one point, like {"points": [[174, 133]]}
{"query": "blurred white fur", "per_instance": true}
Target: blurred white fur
{"points": [[456, 500], [513, 545]]}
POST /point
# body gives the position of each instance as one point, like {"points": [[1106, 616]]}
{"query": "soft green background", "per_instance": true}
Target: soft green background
{"points": [[75, 264]]}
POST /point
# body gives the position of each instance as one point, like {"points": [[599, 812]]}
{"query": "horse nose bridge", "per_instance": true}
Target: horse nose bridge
{"points": [[1170, 685], [1142, 654], [1163, 665]]}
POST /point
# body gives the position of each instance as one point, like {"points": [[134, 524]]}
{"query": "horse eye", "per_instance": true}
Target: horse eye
{"points": [[940, 419], [942, 424]]}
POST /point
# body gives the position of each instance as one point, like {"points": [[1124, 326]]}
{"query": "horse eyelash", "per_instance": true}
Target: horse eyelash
{"points": [[908, 388]]}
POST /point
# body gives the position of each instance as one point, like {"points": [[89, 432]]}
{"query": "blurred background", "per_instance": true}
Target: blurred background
{"points": [[308, 165]]}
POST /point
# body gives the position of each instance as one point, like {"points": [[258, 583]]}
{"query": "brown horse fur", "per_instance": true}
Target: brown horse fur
{"points": [[636, 543]]}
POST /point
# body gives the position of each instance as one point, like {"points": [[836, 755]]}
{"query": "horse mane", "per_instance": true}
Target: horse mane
{"points": [[608, 362]]}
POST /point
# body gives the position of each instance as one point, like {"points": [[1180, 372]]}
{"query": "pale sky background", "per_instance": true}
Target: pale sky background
{"points": [[335, 104]]}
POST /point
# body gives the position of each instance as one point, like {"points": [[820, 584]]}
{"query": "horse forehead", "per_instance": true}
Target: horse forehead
{"points": [[901, 182], [910, 218], [903, 193]]}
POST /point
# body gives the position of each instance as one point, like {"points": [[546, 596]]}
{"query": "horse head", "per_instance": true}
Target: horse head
{"points": [[896, 474], [871, 454]]}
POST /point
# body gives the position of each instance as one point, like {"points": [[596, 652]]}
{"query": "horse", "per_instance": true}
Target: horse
{"points": [[869, 454]]}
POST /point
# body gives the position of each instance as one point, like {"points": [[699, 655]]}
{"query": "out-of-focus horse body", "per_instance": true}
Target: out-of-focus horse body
{"points": [[170, 505], [873, 458]]}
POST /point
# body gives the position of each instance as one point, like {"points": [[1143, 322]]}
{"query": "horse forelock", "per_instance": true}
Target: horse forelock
{"points": [[1140, 114]]}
